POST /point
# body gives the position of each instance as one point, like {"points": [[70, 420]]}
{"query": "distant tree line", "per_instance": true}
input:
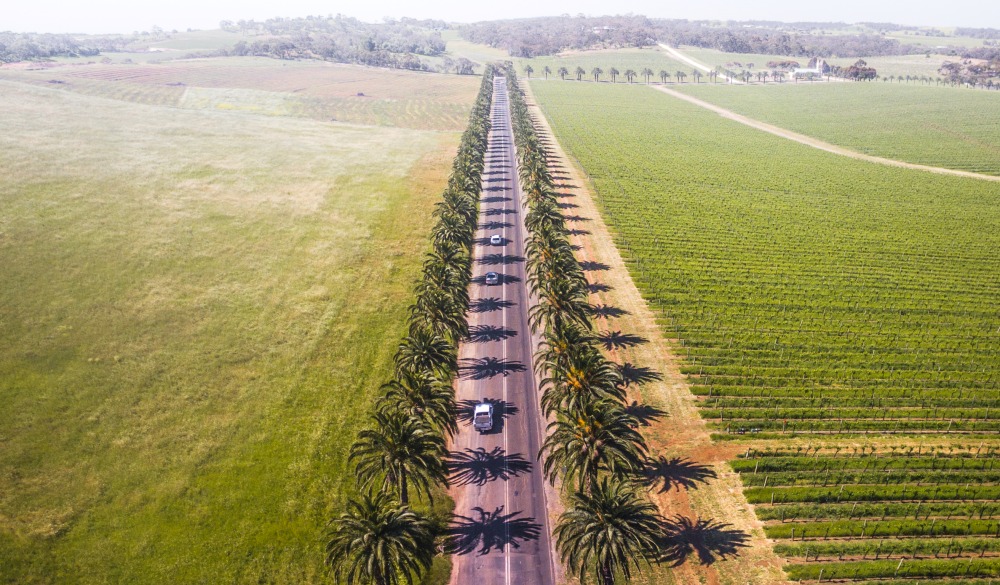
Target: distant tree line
{"points": [[545, 36], [36, 46], [978, 33]]}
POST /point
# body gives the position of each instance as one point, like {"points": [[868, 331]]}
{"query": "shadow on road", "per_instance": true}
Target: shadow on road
{"points": [[489, 212], [495, 199], [591, 266], [479, 466], [488, 367], [709, 540], [489, 304], [497, 259], [488, 333], [596, 287], [495, 225], [676, 472], [487, 531], [503, 279], [501, 411]]}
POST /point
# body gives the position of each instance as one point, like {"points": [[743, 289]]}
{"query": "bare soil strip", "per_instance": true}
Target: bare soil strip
{"points": [[815, 143], [697, 484], [696, 64]]}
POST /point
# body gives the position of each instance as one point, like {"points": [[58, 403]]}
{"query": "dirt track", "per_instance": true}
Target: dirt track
{"points": [[816, 143]]}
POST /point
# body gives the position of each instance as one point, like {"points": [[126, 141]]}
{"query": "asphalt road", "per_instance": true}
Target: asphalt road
{"points": [[500, 534]]}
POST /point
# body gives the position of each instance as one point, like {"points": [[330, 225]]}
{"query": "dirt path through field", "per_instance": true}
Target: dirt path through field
{"points": [[696, 64], [728, 546], [816, 143]]}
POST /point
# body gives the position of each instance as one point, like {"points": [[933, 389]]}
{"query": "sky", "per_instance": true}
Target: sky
{"points": [[125, 16]]}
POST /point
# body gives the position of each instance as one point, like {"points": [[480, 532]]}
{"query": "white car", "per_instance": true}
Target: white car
{"points": [[492, 278], [496, 239], [482, 417]]}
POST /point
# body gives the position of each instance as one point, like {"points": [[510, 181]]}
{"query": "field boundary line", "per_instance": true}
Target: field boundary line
{"points": [[819, 144]]}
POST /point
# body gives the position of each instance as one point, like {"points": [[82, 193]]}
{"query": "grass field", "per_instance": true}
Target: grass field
{"points": [[837, 318], [913, 123], [310, 89], [198, 307]]}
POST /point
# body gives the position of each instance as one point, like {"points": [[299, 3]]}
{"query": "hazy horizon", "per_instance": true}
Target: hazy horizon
{"points": [[119, 16]]}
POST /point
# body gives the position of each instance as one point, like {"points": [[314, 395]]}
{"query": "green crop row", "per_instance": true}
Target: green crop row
{"points": [[825, 478], [915, 510], [887, 548], [882, 529], [912, 569], [869, 493]]}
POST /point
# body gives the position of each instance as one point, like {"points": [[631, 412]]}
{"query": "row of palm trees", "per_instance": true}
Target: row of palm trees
{"points": [[380, 539], [592, 443]]}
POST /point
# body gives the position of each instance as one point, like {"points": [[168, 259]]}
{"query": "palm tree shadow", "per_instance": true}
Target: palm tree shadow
{"points": [[607, 311], [634, 374], [489, 530], [495, 225], [709, 539], [479, 466], [489, 304], [676, 472], [644, 413], [618, 340], [499, 259], [596, 287], [488, 367], [487, 333]]}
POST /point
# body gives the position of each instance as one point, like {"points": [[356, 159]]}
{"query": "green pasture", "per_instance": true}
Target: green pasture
{"points": [[197, 309], [953, 128]]}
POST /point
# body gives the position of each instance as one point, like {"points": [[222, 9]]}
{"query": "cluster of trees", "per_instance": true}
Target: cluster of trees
{"points": [[380, 538], [394, 44], [545, 36], [592, 444], [32, 47], [972, 72]]}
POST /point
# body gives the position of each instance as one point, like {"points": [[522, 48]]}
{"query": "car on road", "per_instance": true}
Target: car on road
{"points": [[496, 240], [492, 278], [482, 417]]}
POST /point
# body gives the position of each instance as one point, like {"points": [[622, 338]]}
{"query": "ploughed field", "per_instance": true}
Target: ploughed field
{"points": [[198, 308], [841, 319], [307, 89]]}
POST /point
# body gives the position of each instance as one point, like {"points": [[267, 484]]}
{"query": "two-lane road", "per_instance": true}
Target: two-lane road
{"points": [[501, 533]]}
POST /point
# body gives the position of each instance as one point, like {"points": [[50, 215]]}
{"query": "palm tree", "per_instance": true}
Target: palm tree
{"points": [[546, 71], [607, 531], [423, 395], [647, 73], [379, 542], [424, 350], [597, 436], [597, 72], [680, 76], [400, 449], [584, 378], [630, 75], [697, 75], [614, 74], [664, 76], [528, 70], [563, 72], [580, 72]]}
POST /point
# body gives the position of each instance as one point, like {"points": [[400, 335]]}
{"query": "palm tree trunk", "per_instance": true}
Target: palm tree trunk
{"points": [[404, 496], [607, 575]]}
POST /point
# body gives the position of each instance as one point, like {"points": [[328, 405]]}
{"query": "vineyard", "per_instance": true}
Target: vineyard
{"points": [[316, 90], [839, 320], [921, 124]]}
